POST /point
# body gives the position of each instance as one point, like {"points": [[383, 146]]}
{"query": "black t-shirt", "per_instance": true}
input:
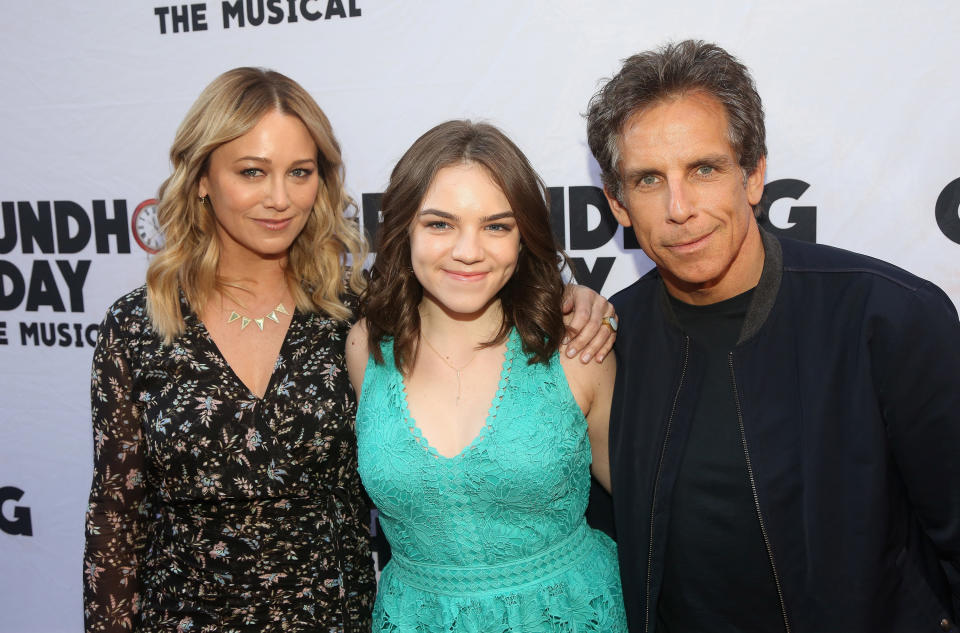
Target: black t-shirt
{"points": [[717, 575]]}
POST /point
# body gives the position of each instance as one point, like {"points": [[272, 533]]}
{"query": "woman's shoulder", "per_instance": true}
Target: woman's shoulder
{"points": [[129, 313], [361, 362], [132, 304], [358, 340], [357, 337], [586, 379]]}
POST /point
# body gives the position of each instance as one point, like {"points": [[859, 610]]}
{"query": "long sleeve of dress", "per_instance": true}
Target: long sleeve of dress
{"points": [[118, 506]]}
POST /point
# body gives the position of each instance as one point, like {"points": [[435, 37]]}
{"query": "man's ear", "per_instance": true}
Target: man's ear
{"points": [[619, 211], [755, 182]]}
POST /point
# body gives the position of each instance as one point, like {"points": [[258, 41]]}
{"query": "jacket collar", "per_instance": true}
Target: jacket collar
{"points": [[764, 294]]}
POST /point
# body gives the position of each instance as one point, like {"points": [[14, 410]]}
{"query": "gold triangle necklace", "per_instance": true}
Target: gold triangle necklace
{"points": [[245, 320]]}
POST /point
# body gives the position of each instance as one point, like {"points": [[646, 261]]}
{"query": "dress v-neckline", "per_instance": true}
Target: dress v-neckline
{"points": [[233, 373], [416, 434]]}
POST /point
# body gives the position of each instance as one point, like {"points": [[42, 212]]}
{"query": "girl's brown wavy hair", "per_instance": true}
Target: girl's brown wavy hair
{"points": [[317, 266], [532, 298]]}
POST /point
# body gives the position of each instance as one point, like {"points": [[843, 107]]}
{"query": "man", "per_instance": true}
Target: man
{"points": [[785, 441]]}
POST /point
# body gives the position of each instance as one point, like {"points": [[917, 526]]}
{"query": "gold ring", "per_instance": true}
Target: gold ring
{"points": [[610, 322]]}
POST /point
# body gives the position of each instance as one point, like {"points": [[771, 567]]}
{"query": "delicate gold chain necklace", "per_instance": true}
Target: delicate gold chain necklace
{"points": [[449, 364], [245, 320]]}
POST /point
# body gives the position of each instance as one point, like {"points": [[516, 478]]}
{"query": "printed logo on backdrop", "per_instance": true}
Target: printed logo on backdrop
{"points": [[186, 18], [948, 211], [591, 224], [54, 281], [17, 522]]}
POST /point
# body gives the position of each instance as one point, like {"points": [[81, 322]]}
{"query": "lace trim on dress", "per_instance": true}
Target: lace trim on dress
{"points": [[562, 606], [399, 390]]}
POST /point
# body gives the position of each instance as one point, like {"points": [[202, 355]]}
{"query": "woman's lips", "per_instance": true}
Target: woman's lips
{"points": [[465, 276], [274, 225]]}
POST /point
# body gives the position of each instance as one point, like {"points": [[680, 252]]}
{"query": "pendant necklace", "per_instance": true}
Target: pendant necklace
{"points": [[245, 320], [449, 364]]}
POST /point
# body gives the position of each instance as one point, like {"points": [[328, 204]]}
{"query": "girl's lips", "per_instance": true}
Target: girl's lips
{"points": [[274, 225], [465, 276]]}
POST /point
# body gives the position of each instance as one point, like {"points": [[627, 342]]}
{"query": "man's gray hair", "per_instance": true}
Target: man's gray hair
{"points": [[671, 71]]}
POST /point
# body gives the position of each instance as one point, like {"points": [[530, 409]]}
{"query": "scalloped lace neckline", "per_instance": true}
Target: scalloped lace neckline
{"points": [[417, 434]]}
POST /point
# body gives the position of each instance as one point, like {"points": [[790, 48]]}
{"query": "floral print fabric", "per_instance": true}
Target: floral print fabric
{"points": [[212, 509]]}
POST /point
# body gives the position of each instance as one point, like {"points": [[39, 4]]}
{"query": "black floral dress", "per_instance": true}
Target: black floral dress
{"points": [[212, 509]]}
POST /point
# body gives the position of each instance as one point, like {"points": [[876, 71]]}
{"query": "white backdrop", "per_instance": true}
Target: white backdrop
{"points": [[862, 111]]}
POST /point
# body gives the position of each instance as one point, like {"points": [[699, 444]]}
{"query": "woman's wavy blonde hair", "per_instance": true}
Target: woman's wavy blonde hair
{"points": [[316, 269]]}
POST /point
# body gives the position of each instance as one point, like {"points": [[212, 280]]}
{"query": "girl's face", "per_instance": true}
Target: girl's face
{"points": [[464, 241], [262, 187]]}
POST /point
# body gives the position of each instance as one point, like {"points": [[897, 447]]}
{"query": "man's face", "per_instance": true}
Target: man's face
{"points": [[687, 199]]}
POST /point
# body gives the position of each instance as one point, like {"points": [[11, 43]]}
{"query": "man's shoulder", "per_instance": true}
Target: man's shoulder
{"points": [[843, 270], [807, 258], [637, 293]]}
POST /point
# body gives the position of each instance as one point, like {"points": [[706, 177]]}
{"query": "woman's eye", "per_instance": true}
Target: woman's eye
{"points": [[301, 172], [252, 172]]}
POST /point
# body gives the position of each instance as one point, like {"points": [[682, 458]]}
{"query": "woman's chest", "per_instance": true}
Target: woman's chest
{"points": [[207, 435]]}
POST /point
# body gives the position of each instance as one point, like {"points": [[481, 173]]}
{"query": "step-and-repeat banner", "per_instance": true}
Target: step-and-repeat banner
{"points": [[862, 102]]}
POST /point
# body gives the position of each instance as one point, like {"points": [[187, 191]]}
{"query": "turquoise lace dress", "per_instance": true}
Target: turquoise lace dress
{"points": [[494, 539]]}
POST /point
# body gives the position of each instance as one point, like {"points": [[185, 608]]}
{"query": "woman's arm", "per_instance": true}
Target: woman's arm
{"points": [[592, 387], [598, 422], [118, 510], [357, 354]]}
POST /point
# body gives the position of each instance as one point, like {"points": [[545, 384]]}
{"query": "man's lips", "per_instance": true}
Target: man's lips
{"points": [[686, 244]]}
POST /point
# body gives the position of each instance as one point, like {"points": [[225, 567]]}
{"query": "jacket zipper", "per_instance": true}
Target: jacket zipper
{"points": [[656, 485], [756, 498]]}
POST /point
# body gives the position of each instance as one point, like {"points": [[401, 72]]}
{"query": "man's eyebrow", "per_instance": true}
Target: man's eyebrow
{"points": [[633, 175], [719, 160]]}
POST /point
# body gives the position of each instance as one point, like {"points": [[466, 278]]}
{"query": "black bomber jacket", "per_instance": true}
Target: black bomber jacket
{"points": [[847, 382]]}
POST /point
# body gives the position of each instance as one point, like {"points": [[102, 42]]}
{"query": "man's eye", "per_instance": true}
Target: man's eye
{"points": [[705, 170], [648, 181]]}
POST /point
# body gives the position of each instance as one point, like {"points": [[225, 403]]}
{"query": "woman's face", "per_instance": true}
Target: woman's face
{"points": [[262, 187], [464, 241]]}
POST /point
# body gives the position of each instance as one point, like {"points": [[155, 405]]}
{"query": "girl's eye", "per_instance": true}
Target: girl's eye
{"points": [[499, 227], [437, 224]]}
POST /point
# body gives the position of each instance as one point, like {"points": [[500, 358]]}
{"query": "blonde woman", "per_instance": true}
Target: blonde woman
{"points": [[225, 493]]}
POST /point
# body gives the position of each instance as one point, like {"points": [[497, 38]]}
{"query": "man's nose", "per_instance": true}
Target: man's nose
{"points": [[680, 204]]}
